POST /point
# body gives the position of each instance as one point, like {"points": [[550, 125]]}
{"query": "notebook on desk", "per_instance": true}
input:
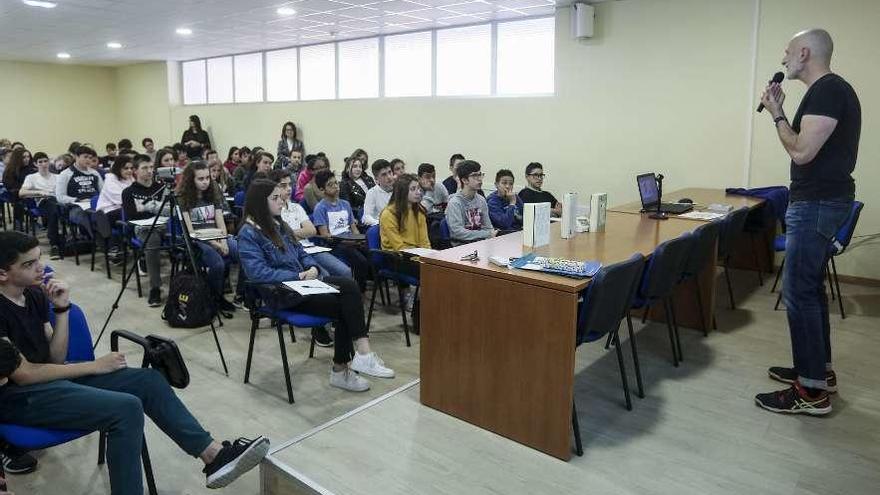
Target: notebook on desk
{"points": [[650, 195]]}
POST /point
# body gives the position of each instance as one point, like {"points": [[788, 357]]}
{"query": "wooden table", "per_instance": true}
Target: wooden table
{"points": [[513, 373]]}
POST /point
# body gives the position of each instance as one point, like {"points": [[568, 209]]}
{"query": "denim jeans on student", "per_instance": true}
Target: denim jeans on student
{"points": [[114, 403], [214, 262], [810, 227], [334, 266]]}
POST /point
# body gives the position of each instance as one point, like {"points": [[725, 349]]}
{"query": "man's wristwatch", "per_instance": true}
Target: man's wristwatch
{"points": [[779, 119], [58, 310]]}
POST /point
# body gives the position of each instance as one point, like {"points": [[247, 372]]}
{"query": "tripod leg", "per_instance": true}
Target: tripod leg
{"points": [[219, 349]]}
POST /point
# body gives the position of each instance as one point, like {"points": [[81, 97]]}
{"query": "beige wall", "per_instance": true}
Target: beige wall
{"points": [[46, 106], [665, 85]]}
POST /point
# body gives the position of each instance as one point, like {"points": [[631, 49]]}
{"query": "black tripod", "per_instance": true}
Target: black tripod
{"points": [[169, 200], [659, 215]]}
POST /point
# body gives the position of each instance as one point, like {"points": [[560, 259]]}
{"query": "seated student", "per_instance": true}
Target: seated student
{"points": [[294, 166], [333, 216], [505, 207], [102, 395], [17, 169], [201, 205], [451, 182], [378, 197], [533, 193], [467, 212], [41, 187], [221, 177], [181, 155], [260, 164], [403, 223], [270, 254], [233, 160], [107, 160], [398, 167], [149, 148], [80, 181], [434, 195], [119, 178], [125, 146], [142, 200], [310, 193], [355, 182]]}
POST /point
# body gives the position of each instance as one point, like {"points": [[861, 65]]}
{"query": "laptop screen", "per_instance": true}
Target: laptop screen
{"points": [[648, 189]]}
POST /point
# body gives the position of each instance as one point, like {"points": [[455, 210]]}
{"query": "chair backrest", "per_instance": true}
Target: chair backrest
{"points": [[731, 227], [608, 297], [79, 341], [102, 225], [703, 248], [93, 201], [374, 242], [238, 199], [444, 230], [305, 206], [845, 232], [665, 267]]}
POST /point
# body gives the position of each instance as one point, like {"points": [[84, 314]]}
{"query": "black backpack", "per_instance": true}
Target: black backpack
{"points": [[190, 302], [160, 353]]}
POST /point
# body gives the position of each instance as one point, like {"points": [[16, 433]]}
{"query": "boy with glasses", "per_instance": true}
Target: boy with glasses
{"points": [[533, 193], [467, 212]]}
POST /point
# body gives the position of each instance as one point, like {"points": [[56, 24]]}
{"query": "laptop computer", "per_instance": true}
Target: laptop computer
{"points": [[651, 196]]}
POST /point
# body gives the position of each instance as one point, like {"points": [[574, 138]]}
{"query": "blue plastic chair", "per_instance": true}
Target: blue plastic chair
{"points": [[605, 303], [394, 267], [839, 244], [732, 226], [702, 254], [664, 271], [263, 302], [445, 234], [79, 349]]}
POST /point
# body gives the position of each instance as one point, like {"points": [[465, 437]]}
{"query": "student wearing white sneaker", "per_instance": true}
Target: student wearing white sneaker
{"points": [[270, 254]]}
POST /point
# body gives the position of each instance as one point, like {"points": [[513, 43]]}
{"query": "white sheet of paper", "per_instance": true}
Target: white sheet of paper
{"points": [[310, 287], [420, 251], [316, 249], [306, 243], [146, 222], [701, 215], [85, 205]]}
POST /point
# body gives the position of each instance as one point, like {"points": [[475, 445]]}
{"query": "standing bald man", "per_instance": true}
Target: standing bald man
{"points": [[823, 142]]}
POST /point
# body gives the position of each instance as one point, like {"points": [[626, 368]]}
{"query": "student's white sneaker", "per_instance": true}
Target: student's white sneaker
{"points": [[371, 364], [348, 380]]}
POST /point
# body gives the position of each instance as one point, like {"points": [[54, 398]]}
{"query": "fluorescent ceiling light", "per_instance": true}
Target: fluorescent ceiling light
{"points": [[285, 11], [35, 3], [184, 31], [114, 44], [64, 55]]}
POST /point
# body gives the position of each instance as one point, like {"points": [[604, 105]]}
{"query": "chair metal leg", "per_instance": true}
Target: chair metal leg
{"points": [[645, 314], [671, 333], [284, 363], [837, 284], [403, 312], [94, 249], [622, 367], [729, 287], [757, 261], [675, 328], [247, 369], [373, 301], [292, 334], [107, 257], [102, 448], [148, 469], [829, 279], [778, 300], [137, 275], [778, 275], [219, 349], [608, 341], [578, 446], [312, 347], [700, 307], [635, 353]]}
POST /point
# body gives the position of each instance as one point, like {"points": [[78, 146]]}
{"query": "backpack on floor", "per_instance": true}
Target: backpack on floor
{"points": [[190, 303]]}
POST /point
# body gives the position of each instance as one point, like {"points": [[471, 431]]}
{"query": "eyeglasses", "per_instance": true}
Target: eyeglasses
{"points": [[538, 176]]}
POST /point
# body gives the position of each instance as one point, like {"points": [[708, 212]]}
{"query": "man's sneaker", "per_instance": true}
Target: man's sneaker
{"points": [[155, 299], [322, 337], [54, 253], [795, 400], [238, 302], [142, 267], [21, 464], [789, 375], [371, 364], [235, 459], [348, 380]]}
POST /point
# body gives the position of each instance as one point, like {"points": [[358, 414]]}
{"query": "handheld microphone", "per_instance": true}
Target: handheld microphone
{"points": [[777, 78]]}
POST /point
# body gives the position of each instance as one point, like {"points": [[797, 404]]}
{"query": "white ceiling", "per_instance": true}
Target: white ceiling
{"points": [[146, 28]]}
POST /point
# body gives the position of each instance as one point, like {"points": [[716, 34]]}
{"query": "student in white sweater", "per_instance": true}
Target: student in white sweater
{"points": [[40, 186], [379, 196], [119, 177]]}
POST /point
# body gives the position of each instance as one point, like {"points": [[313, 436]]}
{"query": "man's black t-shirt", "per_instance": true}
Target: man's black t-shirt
{"points": [[531, 196], [24, 326], [134, 197], [828, 176]]}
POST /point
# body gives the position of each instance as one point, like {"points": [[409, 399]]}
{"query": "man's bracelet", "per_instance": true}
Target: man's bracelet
{"points": [[58, 310], [779, 119]]}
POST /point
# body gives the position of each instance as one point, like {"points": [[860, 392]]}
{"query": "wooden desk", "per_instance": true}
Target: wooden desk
{"points": [[514, 374], [750, 252]]}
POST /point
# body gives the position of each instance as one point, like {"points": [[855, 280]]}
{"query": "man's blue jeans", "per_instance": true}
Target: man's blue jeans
{"points": [[810, 228]]}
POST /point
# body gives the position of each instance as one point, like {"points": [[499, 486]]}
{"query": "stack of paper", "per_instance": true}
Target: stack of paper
{"points": [[310, 287], [420, 251]]}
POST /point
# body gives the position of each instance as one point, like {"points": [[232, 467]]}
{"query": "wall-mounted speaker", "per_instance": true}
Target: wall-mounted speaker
{"points": [[583, 17]]}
